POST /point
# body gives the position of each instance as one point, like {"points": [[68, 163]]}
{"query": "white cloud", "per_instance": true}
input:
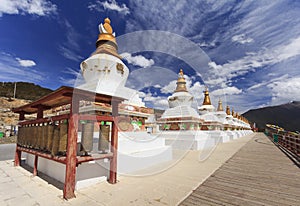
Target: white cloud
{"points": [[69, 53], [36, 7], [285, 90], [12, 70], [169, 88], [137, 60], [70, 48], [109, 5], [241, 38], [26, 63], [158, 102], [251, 61], [226, 91]]}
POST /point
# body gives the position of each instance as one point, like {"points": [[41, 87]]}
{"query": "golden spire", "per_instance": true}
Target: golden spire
{"points": [[227, 110], [220, 106], [106, 42], [181, 83], [206, 100], [232, 112]]}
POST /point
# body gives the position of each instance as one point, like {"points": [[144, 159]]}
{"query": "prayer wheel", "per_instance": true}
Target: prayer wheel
{"points": [[63, 137], [44, 137], [103, 144], [20, 136], [55, 141], [35, 137], [49, 135], [39, 137], [25, 137], [87, 136]]}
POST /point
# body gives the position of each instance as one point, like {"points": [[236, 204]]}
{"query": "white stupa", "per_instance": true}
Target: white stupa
{"points": [[180, 114], [104, 72], [206, 105]]}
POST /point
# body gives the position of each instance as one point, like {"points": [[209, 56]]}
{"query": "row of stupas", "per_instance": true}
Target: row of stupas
{"points": [[181, 114], [105, 73]]}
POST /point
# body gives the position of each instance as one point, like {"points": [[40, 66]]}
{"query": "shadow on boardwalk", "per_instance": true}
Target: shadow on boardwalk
{"points": [[258, 174]]}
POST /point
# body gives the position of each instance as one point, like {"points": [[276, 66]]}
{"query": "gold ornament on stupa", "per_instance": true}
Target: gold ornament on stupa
{"points": [[227, 110], [220, 106], [232, 112], [206, 100], [106, 42], [181, 83]]}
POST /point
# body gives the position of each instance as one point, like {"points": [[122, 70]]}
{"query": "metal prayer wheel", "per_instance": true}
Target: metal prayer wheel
{"points": [[63, 137], [20, 137], [44, 137], [34, 136], [87, 136], [49, 136], [55, 141], [39, 137], [103, 144]]}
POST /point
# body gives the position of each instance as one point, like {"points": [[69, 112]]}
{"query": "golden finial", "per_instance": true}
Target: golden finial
{"points": [[106, 42], [227, 110], [232, 112], [181, 83], [206, 100], [107, 26], [220, 106]]}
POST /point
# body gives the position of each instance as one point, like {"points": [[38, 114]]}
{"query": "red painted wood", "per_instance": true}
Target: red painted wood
{"points": [[44, 120], [40, 112], [21, 116], [94, 157], [18, 154], [94, 117], [70, 177], [44, 155], [36, 157], [114, 146]]}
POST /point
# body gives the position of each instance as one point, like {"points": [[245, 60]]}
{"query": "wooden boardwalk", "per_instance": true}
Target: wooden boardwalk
{"points": [[258, 174]]}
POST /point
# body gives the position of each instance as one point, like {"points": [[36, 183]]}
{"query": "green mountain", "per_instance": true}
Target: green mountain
{"points": [[24, 90], [286, 116]]}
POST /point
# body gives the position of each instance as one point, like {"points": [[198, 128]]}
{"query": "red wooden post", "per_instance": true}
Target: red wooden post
{"points": [[17, 157], [40, 112], [114, 146], [70, 176], [35, 165]]}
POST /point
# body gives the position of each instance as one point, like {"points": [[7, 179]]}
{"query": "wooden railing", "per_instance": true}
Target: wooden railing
{"points": [[288, 141]]}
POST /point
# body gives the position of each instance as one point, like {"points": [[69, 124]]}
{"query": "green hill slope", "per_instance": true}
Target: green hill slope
{"points": [[24, 90]]}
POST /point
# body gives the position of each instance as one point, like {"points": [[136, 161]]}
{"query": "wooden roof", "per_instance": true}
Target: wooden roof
{"points": [[65, 95]]}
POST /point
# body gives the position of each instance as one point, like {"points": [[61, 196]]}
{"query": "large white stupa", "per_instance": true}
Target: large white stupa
{"points": [[104, 72]]}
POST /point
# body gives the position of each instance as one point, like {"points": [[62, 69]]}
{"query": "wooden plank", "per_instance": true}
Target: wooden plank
{"points": [[258, 174]]}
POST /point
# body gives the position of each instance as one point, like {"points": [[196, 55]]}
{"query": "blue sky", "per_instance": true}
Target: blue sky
{"points": [[246, 52]]}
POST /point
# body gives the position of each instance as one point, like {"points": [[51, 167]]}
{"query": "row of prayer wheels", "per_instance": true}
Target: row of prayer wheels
{"points": [[50, 138], [53, 138], [87, 139]]}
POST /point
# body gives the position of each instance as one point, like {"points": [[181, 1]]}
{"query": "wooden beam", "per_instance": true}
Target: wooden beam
{"points": [[70, 176], [42, 154]]}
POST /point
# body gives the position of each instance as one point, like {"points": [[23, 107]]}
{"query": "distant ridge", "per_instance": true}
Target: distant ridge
{"points": [[25, 90], [285, 115]]}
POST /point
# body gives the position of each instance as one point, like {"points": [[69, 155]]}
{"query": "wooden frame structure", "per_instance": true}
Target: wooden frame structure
{"points": [[60, 97]]}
